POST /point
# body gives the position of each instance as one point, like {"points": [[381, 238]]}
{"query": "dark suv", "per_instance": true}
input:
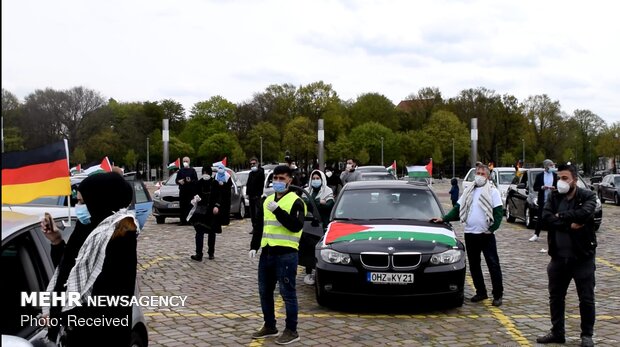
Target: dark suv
{"points": [[609, 189], [522, 200]]}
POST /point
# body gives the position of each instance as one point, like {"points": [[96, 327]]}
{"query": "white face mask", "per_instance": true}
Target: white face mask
{"points": [[185, 164], [206, 177], [328, 174], [563, 187], [349, 166], [480, 180]]}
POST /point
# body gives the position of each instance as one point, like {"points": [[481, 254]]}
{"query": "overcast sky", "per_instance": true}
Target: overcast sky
{"points": [[190, 50]]}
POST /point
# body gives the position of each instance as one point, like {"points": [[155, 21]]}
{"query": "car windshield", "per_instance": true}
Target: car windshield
{"points": [[371, 169], [171, 180], [470, 175], [506, 177], [387, 203], [617, 181], [243, 177]]}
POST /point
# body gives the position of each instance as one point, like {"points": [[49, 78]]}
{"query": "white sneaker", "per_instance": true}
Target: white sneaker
{"points": [[533, 238], [309, 279]]}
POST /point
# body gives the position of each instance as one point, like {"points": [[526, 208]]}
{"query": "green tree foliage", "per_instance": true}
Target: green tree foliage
{"points": [[340, 150], [221, 145], [368, 136], [216, 108], [299, 138], [314, 99], [374, 107], [78, 156], [507, 159], [417, 108], [277, 104], [175, 113], [544, 118], [270, 139], [130, 160], [437, 134]]}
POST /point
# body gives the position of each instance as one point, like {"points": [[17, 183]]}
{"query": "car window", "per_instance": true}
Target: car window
{"points": [[617, 181], [243, 178], [470, 175], [374, 177], [172, 180], [24, 272], [505, 177], [141, 194], [386, 203]]}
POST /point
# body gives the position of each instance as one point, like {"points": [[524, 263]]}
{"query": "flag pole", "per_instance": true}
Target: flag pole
{"points": [[68, 196]]}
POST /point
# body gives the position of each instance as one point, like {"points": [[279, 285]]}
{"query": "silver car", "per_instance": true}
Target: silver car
{"points": [[28, 267]]}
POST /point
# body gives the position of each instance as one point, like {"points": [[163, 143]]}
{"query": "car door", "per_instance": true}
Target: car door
{"points": [[28, 267], [520, 198], [143, 202]]}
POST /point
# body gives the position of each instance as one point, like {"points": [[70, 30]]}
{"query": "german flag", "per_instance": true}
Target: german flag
{"points": [[31, 174]]}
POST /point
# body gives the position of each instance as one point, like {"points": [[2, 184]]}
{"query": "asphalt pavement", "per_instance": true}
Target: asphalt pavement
{"points": [[223, 307]]}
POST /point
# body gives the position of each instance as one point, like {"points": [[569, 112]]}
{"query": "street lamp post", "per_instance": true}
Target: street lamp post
{"points": [[617, 144], [523, 152], [590, 157], [381, 150], [148, 168], [453, 169], [261, 151]]}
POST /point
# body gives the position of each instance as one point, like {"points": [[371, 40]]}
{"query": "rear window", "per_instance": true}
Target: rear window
{"points": [[506, 177], [384, 203]]}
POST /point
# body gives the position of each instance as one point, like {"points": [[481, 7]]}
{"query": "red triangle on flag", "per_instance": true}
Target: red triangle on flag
{"points": [[177, 163], [394, 166], [429, 167], [224, 162], [105, 165], [337, 230]]}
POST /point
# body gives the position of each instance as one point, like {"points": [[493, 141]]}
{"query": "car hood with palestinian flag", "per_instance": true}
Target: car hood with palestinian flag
{"points": [[375, 235]]}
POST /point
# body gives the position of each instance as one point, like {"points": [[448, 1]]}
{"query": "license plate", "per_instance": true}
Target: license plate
{"points": [[390, 278], [173, 205]]}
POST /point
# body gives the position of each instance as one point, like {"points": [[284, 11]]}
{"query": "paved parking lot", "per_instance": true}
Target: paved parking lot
{"points": [[223, 308]]}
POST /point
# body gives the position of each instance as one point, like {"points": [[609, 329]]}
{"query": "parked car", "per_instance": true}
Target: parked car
{"points": [[371, 168], [243, 182], [598, 177], [166, 198], [141, 202], [522, 200], [380, 243], [500, 176], [27, 264], [609, 189]]}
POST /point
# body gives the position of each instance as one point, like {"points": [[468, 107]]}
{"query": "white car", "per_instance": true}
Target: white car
{"points": [[27, 267], [500, 176]]}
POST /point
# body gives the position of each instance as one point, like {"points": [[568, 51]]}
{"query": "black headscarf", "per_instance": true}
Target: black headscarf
{"points": [[105, 194]]}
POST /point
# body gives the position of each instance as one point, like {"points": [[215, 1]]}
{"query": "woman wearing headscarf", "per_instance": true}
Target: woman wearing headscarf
{"points": [[205, 217], [323, 197], [99, 259], [225, 183]]}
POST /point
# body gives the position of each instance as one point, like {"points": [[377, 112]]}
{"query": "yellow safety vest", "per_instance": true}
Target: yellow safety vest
{"points": [[274, 234]]}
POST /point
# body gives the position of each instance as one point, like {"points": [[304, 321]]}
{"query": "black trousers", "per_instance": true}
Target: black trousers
{"points": [[539, 213], [485, 244], [256, 211], [201, 230], [561, 271], [185, 205]]}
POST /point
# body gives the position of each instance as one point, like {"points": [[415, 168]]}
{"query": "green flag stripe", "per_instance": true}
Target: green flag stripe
{"points": [[394, 235]]}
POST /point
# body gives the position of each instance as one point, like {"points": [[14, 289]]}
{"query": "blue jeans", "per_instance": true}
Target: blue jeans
{"points": [[280, 269], [485, 244]]}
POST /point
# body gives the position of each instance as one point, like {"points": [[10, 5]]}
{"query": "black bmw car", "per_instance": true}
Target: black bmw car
{"points": [[380, 243]]}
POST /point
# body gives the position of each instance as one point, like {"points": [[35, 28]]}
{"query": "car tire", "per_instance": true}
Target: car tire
{"points": [[322, 298], [509, 217], [160, 220], [529, 221], [241, 213], [616, 199], [136, 340], [597, 226], [455, 300], [600, 197]]}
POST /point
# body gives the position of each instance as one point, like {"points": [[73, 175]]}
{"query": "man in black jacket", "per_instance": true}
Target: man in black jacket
{"points": [[544, 183], [186, 179], [569, 217], [255, 185]]}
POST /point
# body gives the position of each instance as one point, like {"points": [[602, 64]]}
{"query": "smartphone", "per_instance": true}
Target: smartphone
{"points": [[49, 222]]}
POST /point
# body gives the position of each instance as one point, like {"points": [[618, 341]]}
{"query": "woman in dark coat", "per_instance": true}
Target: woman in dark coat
{"points": [[103, 195], [209, 208]]}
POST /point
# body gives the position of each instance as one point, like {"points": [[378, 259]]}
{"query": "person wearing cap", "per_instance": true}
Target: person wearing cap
{"points": [[544, 183]]}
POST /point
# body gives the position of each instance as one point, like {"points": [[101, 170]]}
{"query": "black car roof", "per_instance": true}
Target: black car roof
{"points": [[387, 184]]}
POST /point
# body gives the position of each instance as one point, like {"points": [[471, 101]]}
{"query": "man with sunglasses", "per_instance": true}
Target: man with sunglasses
{"points": [[278, 236]]}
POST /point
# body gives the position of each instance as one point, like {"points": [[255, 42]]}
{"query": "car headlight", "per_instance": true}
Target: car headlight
{"points": [[448, 257], [333, 257], [156, 194], [599, 205]]}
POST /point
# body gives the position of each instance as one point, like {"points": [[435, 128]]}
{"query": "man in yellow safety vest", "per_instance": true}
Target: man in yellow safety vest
{"points": [[283, 220]]}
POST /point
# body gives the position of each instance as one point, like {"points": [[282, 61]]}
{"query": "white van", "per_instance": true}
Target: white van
{"points": [[501, 177]]}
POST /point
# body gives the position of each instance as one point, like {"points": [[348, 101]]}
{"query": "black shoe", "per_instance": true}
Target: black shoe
{"points": [[497, 302], [551, 337], [586, 341], [197, 257], [211, 257], [479, 297]]}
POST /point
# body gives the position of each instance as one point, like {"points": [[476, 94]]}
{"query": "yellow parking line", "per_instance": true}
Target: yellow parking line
{"points": [[152, 262], [504, 320], [611, 265]]}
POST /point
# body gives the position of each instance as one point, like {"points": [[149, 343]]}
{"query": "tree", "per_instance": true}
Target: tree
{"points": [[300, 139], [277, 104], [314, 99], [130, 159], [175, 112], [341, 149], [78, 156], [437, 134], [216, 108], [587, 126], [221, 145], [417, 108], [270, 142], [507, 159], [367, 137], [545, 119], [374, 107]]}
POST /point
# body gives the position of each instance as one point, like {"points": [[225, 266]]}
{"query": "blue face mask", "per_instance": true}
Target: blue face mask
{"points": [[279, 187], [316, 183], [552, 170], [82, 214], [254, 168]]}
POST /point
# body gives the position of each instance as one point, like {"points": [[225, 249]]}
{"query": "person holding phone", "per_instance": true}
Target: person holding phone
{"points": [[186, 179]]}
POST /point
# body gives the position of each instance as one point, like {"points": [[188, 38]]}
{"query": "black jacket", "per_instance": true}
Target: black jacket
{"points": [[539, 181], [210, 195], [188, 189], [256, 181], [583, 239]]}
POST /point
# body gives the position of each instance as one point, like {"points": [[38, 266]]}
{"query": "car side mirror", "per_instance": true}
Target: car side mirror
{"points": [[612, 184], [521, 186]]}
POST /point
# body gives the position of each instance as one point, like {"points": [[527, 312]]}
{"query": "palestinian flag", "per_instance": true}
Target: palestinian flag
{"points": [[105, 166], [76, 169], [392, 167], [175, 164], [348, 232], [417, 171], [223, 162], [28, 175], [429, 167]]}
